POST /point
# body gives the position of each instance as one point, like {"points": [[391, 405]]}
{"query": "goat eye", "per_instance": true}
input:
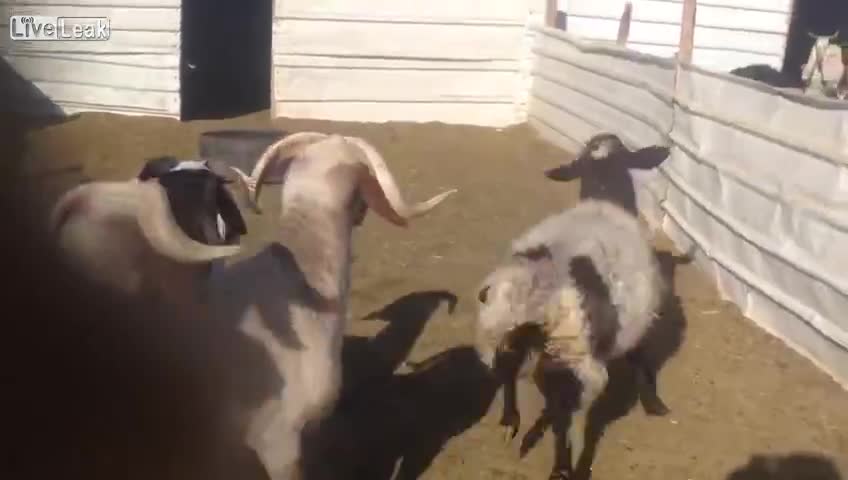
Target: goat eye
{"points": [[483, 294]]}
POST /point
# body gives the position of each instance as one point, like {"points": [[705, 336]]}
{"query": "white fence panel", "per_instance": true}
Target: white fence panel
{"points": [[757, 179]]}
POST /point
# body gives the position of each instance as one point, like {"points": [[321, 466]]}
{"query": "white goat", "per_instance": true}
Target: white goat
{"points": [[124, 235], [291, 297], [825, 68], [588, 279]]}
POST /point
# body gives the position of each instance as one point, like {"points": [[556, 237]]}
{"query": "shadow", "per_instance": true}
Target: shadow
{"points": [[386, 420], [21, 96], [104, 386], [370, 359], [800, 466], [225, 65], [398, 426], [608, 177], [768, 75]]}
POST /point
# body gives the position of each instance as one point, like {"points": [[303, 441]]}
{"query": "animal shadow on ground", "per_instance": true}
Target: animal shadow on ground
{"points": [[798, 466], [404, 419], [623, 391]]}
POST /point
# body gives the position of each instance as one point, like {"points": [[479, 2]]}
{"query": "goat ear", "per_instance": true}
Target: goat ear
{"points": [[229, 210], [648, 157], [375, 197]]}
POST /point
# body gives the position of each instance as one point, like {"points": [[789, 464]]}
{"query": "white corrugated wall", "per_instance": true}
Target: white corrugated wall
{"points": [[728, 33], [137, 71], [405, 60]]}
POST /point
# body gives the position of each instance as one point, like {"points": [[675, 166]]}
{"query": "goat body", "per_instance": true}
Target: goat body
{"points": [[291, 297], [588, 279]]}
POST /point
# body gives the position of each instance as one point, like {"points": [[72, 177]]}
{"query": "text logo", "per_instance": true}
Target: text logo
{"points": [[42, 27]]}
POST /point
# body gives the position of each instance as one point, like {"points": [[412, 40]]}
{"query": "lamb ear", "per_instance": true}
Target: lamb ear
{"points": [[648, 157], [566, 172]]}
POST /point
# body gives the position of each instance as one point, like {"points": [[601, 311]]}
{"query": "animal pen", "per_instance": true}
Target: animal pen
{"points": [[755, 187]]}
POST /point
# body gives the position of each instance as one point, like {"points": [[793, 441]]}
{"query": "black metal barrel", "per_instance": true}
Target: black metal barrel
{"points": [[239, 148]]}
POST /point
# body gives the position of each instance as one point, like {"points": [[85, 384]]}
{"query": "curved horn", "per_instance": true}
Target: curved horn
{"points": [[835, 35], [389, 185], [278, 152], [148, 203]]}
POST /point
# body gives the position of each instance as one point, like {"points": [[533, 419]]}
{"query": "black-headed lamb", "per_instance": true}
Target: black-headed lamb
{"points": [[603, 167], [587, 280], [291, 297]]}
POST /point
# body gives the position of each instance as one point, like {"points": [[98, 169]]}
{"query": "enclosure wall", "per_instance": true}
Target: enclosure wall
{"points": [[136, 71], [728, 33], [382, 60], [756, 183]]}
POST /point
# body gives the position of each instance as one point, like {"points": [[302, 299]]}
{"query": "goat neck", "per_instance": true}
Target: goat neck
{"points": [[320, 242]]}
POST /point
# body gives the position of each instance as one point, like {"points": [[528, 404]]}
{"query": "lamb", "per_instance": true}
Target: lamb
{"points": [[587, 282], [130, 235], [291, 297], [603, 167]]}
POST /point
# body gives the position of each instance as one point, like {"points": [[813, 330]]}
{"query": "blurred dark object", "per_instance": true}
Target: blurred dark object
{"points": [[768, 75], [239, 148]]}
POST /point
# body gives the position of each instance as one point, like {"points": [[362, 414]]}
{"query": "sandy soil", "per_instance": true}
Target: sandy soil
{"points": [[735, 392]]}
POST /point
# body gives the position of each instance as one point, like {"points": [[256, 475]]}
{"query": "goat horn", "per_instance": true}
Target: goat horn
{"points": [[277, 152], [389, 185], [148, 203]]}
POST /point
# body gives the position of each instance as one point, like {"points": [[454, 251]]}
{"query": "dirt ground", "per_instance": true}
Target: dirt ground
{"points": [[744, 406]]}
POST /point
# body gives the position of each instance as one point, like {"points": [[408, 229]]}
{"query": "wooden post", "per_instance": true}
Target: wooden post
{"points": [[624, 24], [551, 9], [687, 31]]}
